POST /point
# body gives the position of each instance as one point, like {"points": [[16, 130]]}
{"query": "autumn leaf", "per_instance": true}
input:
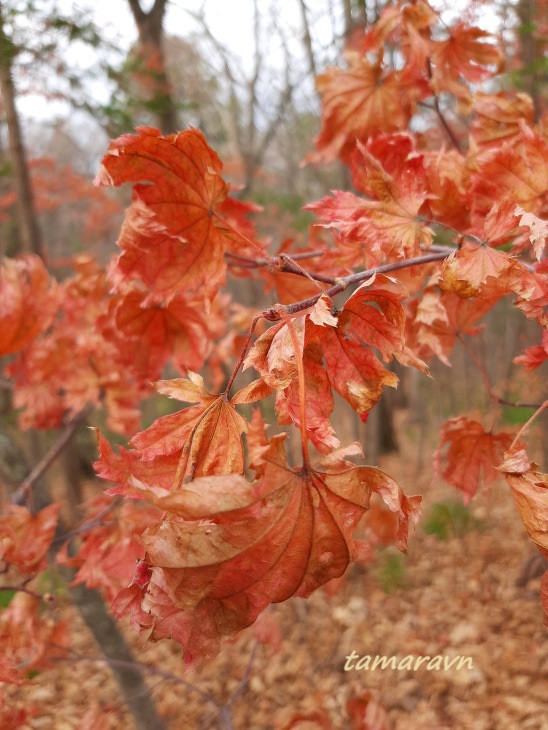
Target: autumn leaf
{"points": [[227, 548], [389, 220], [530, 491], [26, 538], [27, 640], [465, 270], [497, 117], [179, 179], [147, 336], [30, 299], [537, 227], [199, 440], [465, 54], [534, 356], [516, 170], [472, 455], [409, 27], [359, 103]]}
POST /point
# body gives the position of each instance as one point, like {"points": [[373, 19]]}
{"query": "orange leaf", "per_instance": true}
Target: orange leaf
{"points": [[227, 548], [179, 180], [360, 103], [465, 270], [388, 222], [464, 54], [147, 336], [200, 440], [26, 537], [29, 302], [530, 491], [472, 455]]}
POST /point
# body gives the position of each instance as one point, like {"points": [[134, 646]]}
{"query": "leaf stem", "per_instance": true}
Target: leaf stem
{"points": [[302, 392], [243, 353], [529, 422]]}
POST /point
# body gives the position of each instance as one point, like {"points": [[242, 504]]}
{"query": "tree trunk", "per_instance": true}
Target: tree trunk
{"points": [[30, 239], [535, 76], [150, 51], [91, 607]]}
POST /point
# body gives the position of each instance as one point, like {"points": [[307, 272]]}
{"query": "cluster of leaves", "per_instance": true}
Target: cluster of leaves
{"points": [[215, 547]]}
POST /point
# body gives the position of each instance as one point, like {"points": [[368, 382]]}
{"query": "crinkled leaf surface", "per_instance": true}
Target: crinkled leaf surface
{"points": [[227, 548]]}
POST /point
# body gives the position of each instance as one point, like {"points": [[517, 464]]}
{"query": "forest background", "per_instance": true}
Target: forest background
{"points": [[74, 77]]}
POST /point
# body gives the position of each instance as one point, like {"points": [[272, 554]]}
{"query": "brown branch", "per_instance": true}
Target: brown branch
{"points": [[450, 133], [256, 263], [273, 316], [19, 496]]}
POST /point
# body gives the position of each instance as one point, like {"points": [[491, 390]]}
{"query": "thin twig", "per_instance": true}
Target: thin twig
{"points": [[19, 496], [492, 395], [139, 667], [243, 353], [528, 423], [243, 682], [450, 133], [87, 526], [257, 263]]}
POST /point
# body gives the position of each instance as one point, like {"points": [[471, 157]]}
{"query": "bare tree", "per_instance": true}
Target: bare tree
{"points": [[252, 117]]}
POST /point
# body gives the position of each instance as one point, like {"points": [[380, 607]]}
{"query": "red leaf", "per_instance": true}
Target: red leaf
{"points": [[530, 491], [179, 180], [29, 302], [228, 548], [389, 220], [472, 455], [148, 336], [26, 537], [360, 103]]}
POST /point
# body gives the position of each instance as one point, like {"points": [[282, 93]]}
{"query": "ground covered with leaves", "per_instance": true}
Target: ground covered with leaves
{"points": [[455, 594]]}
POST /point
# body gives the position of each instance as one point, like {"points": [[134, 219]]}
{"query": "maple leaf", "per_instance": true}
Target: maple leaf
{"points": [[465, 270], [179, 179], [26, 538], [464, 54], [534, 356], [497, 117], [147, 336], [30, 300], [199, 440], [538, 230], [409, 26], [389, 222], [530, 491], [227, 548], [360, 103], [28, 641], [108, 552], [370, 319], [444, 316], [472, 455], [516, 170]]}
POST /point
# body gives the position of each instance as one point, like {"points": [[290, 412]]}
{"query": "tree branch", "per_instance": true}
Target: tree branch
{"points": [[273, 316], [19, 496]]}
